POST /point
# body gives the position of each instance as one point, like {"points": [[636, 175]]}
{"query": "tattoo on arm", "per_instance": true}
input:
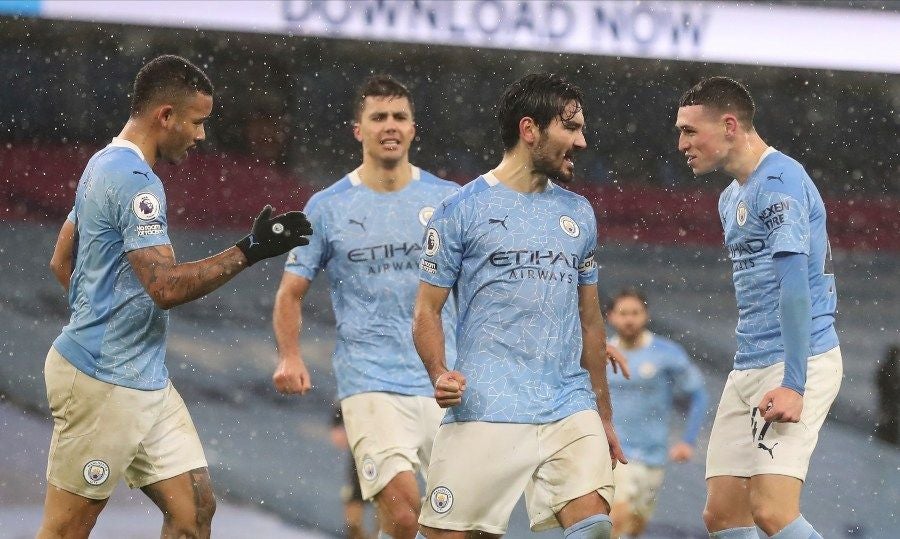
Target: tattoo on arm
{"points": [[171, 284]]}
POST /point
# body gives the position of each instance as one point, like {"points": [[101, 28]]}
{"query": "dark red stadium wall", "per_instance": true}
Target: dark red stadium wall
{"points": [[229, 190]]}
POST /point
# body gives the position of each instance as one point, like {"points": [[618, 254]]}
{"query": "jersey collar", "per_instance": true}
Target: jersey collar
{"points": [[118, 142], [356, 180]]}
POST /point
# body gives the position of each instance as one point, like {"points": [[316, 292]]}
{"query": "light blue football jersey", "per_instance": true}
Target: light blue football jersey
{"points": [[515, 261], [644, 405], [116, 333], [369, 243], [777, 210]]}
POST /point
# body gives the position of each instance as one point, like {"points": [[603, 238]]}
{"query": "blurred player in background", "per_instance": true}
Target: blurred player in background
{"points": [[369, 228], [351, 493], [517, 250], [115, 411], [787, 369], [663, 372]]}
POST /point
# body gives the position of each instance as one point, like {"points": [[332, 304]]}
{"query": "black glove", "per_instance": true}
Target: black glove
{"points": [[275, 236]]}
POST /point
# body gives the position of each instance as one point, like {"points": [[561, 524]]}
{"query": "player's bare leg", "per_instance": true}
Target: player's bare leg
{"points": [[354, 515], [398, 506], [68, 515], [727, 503], [187, 502], [434, 533], [774, 501], [625, 521], [585, 516]]}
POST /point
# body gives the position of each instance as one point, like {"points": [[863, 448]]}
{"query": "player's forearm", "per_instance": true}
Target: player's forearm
{"points": [[171, 284], [287, 319], [794, 314], [695, 416], [593, 359], [62, 272], [428, 337]]}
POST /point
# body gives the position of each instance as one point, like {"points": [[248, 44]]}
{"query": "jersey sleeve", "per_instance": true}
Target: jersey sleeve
{"points": [[686, 376], [71, 217], [587, 268], [782, 207], [442, 249], [141, 215], [307, 260]]}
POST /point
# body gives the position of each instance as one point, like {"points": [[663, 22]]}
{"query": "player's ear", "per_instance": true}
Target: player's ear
{"points": [[165, 115], [356, 133], [731, 125], [528, 130]]}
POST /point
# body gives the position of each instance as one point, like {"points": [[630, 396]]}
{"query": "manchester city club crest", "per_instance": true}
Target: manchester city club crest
{"points": [[441, 500], [145, 206], [569, 226], [741, 213], [369, 471], [96, 472], [425, 215]]}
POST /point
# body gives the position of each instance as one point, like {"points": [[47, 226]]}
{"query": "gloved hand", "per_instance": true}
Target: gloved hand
{"points": [[275, 236]]}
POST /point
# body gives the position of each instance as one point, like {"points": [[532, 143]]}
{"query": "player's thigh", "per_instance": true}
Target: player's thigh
{"points": [[478, 472], [97, 430], [383, 430], [775, 498], [170, 448], [786, 448], [727, 503], [731, 439], [68, 513], [575, 472], [187, 498]]}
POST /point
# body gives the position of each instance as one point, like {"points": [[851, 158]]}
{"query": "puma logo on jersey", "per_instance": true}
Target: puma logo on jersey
{"points": [[361, 224], [776, 177], [501, 222], [144, 174]]}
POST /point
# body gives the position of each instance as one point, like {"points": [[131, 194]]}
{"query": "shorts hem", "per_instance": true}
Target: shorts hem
{"points": [[369, 493], [458, 527], [78, 491], [168, 474], [766, 471]]}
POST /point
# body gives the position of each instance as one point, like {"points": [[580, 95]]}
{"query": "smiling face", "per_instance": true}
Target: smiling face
{"points": [[554, 153], [385, 129], [704, 137], [183, 127]]}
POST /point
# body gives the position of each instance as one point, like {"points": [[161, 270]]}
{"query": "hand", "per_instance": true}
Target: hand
{"points": [[615, 450], [291, 377], [448, 388], [618, 361], [274, 236], [681, 452], [781, 405], [339, 437]]}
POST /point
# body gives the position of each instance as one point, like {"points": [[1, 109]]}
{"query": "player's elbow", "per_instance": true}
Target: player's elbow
{"points": [[163, 298]]}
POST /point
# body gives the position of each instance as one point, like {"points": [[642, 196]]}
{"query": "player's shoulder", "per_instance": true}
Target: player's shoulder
{"points": [[671, 350], [665, 343], [327, 196], [434, 181], [462, 196], [782, 173], [572, 199]]}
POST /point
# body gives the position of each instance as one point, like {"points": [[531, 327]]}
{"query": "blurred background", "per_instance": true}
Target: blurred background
{"points": [[826, 80]]}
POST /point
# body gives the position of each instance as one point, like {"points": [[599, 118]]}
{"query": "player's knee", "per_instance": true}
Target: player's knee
{"points": [[594, 527], [770, 518], [404, 524], [193, 522], [712, 519]]}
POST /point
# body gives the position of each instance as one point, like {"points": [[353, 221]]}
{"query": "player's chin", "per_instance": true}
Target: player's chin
{"points": [[565, 175]]}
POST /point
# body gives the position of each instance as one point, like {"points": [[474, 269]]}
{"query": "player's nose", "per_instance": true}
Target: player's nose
{"points": [[683, 145]]}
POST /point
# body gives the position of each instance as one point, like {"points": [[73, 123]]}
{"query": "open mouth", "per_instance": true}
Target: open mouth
{"points": [[568, 160], [390, 143]]}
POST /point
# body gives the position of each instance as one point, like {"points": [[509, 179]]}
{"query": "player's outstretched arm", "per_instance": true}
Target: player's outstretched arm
{"points": [[62, 261], [171, 284], [291, 376], [593, 350], [428, 336]]}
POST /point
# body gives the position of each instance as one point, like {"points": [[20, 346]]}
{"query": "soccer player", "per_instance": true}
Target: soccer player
{"points": [[517, 250], [369, 228], [787, 369], [115, 411], [644, 404]]}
